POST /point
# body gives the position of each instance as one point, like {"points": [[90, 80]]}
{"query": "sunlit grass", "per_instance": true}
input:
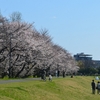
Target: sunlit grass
{"points": [[77, 88]]}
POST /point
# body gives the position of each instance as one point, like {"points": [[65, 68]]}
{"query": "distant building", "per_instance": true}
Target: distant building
{"points": [[87, 58], [82, 56]]}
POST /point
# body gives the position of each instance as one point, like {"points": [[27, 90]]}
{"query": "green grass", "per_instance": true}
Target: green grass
{"points": [[77, 88]]}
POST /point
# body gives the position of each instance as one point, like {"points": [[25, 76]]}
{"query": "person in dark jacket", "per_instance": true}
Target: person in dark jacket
{"points": [[63, 73], [93, 87]]}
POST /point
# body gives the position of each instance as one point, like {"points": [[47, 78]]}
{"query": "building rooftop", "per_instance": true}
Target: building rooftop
{"points": [[83, 55]]}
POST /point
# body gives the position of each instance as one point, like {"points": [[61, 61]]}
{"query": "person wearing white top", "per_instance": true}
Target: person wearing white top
{"points": [[50, 77]]}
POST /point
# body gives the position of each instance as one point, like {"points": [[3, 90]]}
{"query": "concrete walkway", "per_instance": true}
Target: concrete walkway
{"points": [[18, 80]]}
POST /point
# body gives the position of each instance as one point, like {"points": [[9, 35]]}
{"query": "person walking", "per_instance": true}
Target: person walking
{"points": [[58, 73], [98, 87], [93, 87], [44, 75], [63, 73]]}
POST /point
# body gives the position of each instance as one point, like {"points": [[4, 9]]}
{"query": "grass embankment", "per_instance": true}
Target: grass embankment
{"points": [[77, 88]]}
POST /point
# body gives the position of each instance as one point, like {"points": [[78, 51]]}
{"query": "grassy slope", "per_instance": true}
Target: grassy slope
{"points": [[77, 88]]}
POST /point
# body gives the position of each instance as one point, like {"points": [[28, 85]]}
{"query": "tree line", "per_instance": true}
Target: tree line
{"points": [[87, 67], [24, 51]]}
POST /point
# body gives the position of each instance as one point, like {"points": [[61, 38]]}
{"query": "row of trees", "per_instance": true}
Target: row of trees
{"points": [[87, 67], [24, 50]]}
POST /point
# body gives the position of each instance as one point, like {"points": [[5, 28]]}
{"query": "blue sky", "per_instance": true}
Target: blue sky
{"points": [[73, 24]]}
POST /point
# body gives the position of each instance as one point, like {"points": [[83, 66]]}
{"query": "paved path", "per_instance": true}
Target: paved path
{"points": [[18, 80]]}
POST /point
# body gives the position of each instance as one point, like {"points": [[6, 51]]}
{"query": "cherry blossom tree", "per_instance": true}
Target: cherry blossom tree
{"points": [[24, 51]]}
